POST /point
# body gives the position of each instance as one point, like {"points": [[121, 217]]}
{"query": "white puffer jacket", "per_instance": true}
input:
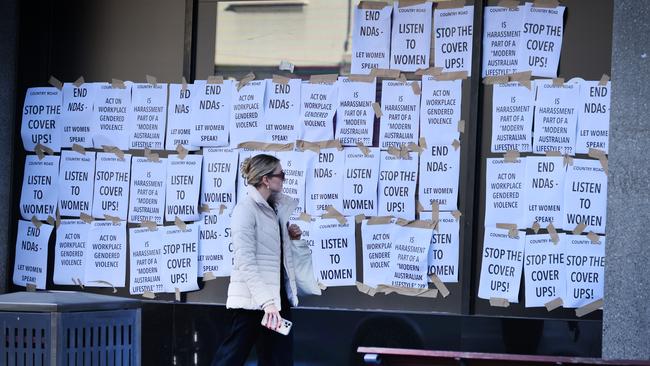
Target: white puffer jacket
{"points": [[255, 276]]}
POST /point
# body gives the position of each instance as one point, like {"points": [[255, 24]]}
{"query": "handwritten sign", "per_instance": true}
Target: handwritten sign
{"points": [[211, 113], [179, 117], [39, 193], [360, 182], [215, 245], [445, 247], [540, 43], [183, 184], [544, 269], [247, 113], [504, 192], [76, 114], [501, 32], [30, 265], [70, 251], [333, 253], [512, 118], [40, 122], [317, 108], [370, 39], [593, 117], [110, 124], [111, 193], [282, 111], [453, 30], [354, 115], [148, 116], [439, 176], [145, 247], [544, 190], [397, 180], [105, 259], [324, 181], [147, 200], [400, 114], [411, 37], [76, 182], [555, 117], [440, 109], [179, 258], [503, 257], [585, 196]]}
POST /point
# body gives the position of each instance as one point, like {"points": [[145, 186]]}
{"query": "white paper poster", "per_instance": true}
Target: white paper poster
{"points": [[544, 190], [355, 116], [210, 113], [179, 117], [147, 200], [360, 182], [183, 183], [445, 247], [585, 270], [439, 176], [501, 266], [39, 193], [324, 182], [397, 180], [408, 264], [145, 247], [76, 183], [585, 196], [148, 116], [215, 245], [370, 39], [247, 113], [110, 123], [333, 253], [41, 114], [400, 108], [218, 179], [453, 30], [377, 247], [317, 107], [282, 111], [30, 265], [540, 44], [112, 178], [179, 258], [440, 109], [512, 117], [501, 32], [556, 116], [593, 117], [70, 252], [544, 269], [411, 37], [105, 259], [295, 165], [77, 114], [504, 192]]}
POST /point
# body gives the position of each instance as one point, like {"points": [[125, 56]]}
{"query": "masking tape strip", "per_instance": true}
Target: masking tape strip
{"points": [[499, 302], [304, 217], [554, 304], [511, 156], [589, 308], [324, 79], [178, 222], [263, 146], [546, 4], [551, 230], [208, 276], [407, 3], [152, 80], [281, 79], [118, 84], [442, 288], [55, 82], [364, 149], [361, 78], [603, 80], [79, 82], [380, 220], [214, 79], [448, 76], [385, 73], [359, 218], [491, 80], [362, 287], [452, 4], [510, 4], [333, 213]]}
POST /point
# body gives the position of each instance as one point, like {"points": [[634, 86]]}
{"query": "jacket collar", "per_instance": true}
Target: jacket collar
{"points": [[285, 204]]}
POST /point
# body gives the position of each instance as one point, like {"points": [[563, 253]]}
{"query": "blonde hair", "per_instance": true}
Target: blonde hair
{"points": [[256, 167]]}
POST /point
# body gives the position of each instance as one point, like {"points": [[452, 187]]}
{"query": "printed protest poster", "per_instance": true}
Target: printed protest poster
{"points": [[439, 175], [333, 253], [218, 179], [544, 190], [501, 31], [110, 123], [512, 117], [179, 117], [317, 107], [377, 247], [360, 182], [593, 117], [544, 269], [215, 245], [585, 196], [147, 200], [210, 113], [411, 37], [355, 116], [112, 179], [247, 113], [503, 257], [183, 183], [445, 247], [540, 43], [105, 260], [77, 114], [370, 38], [556, 117], [295, 165], [400, 108], [585, 270], [40, 122], [179, 258], [39, 193], [148, 116], [324, 181], [453, 30], [76, 183], [397, 180], [306, 226], [30, 265], [70, 252], [504, 192], [145, 247], [440, 109], [281, 111], [408, 259]]}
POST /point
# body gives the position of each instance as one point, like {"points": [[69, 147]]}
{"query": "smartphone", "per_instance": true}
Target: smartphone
{"points": [[285, 325]]}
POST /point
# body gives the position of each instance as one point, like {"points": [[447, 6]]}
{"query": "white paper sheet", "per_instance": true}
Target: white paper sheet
{"points": [[41, 115], [112, 178], [76, 183], [39, 193], [355, 116], [147, 199], [183, 183], [30, 264]]}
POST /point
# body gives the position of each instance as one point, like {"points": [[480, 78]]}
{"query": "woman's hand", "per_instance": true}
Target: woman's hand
{"points": [[273, 317], [294, 232]]}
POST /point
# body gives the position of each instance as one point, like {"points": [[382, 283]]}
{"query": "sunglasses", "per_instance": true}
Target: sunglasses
{"points": [[279, 175]]}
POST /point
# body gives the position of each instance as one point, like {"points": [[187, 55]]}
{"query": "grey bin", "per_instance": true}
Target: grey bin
{"points": [[69, 328]]}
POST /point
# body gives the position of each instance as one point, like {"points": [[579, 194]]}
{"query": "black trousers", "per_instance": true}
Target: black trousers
{"points": [[273, 349]]}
